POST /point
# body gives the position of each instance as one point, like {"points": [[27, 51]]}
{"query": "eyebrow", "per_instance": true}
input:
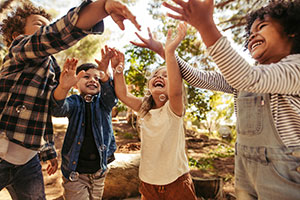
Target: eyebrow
{"points": [[255, 28]]}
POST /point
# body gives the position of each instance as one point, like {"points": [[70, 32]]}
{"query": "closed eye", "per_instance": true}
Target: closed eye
{"points": [[261, 26]]}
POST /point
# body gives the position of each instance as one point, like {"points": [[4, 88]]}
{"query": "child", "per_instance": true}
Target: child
{"points": [[266, 96], [28, 75], [164, 170], [89, 140]]}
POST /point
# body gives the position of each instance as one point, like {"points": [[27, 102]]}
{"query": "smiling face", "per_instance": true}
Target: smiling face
{"points": [[158, 83], [33, 23], [267, 42], [89, 83]]}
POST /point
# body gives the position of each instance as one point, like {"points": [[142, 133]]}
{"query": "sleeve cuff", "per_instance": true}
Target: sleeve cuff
{"points": [[47, 153], [74, 14]]}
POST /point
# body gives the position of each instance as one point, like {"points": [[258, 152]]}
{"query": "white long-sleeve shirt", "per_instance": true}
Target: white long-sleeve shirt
{"points": [[281, 80]]}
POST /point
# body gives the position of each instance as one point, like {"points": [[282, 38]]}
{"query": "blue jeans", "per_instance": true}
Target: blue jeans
{"points": [[25, 180]]}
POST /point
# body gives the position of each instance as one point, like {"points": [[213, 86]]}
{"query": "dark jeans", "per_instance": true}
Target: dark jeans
{"points": [[26, 181]]}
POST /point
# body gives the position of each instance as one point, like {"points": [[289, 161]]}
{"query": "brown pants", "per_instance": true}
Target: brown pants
{"points": [[181, 189]]}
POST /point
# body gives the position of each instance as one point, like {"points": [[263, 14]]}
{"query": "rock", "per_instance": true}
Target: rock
{"points": [[122, 181]]}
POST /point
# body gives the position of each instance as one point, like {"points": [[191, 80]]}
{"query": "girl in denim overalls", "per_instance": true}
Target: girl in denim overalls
{"points": [[267, 96]]}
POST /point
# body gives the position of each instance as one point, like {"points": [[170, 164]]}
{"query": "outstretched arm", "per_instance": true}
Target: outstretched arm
{"points": [[98, 10], [67, 79], [152, 43], [198, 13], [106, 55], [174, 77], [122, 93]]}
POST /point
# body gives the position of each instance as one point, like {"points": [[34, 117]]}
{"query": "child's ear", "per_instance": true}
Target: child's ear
{"points": [[15, 34]]}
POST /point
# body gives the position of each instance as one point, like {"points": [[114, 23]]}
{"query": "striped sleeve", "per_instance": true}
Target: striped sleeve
{"points": [[210, 80], [282, 77]]}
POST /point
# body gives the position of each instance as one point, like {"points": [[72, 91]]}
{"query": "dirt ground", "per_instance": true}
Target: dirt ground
{"points": [[219, 174], [198, 146]]}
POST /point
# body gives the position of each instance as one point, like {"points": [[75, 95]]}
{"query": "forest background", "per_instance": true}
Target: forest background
{"points": [[206, 109], [208, 112]]}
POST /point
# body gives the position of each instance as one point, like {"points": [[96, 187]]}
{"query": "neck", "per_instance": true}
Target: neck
{"points": [[158, 102]]}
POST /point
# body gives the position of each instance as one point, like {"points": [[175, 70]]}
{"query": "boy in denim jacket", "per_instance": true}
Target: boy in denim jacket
{"points": [[89, 143], [27, 77]]}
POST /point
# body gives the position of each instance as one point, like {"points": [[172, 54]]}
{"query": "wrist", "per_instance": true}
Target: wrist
{"points": [[64, 89], [105, 78], [105, 9]]}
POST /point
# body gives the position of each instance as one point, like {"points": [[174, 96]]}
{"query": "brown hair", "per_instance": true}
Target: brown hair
{"points": [[16, 21]]}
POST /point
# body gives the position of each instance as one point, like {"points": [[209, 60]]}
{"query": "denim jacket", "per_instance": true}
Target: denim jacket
{"points": [[73, 107]]}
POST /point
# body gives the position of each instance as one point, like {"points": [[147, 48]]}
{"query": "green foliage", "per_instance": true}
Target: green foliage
{"points": [[206, 162], [141, 61], [86, 50]]}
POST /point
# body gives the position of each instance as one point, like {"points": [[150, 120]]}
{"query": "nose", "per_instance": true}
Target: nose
{"points": [[93, 79], [251, 37]]}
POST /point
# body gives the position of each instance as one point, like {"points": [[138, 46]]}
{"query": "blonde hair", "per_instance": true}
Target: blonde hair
{"points": [[148, 101]]}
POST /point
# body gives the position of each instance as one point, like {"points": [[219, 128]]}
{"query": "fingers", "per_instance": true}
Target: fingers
{"points": [[70, 64], [149, 32], [98, 62], [177, 17], [180, 2], [182, 28], [52, 166], [80, 75], [178, 10], [169, 34], [138, 44], [132, 19], [144, 40], [128, 15]]}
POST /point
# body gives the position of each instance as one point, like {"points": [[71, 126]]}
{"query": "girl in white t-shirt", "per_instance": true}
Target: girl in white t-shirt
{"points": [[164, 170]]}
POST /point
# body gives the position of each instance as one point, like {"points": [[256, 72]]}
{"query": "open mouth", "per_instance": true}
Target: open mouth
{"points": [[254, 45], [159, 83], [92, 86]]}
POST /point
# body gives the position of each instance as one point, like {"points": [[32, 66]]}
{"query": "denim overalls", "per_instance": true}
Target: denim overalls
{"points": [[264, 167]]}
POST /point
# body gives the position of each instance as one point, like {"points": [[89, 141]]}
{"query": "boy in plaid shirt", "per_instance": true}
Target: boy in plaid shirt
{"points": [[27, 77]]}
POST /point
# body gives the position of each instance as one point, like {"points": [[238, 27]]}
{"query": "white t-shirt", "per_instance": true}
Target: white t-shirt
{"points": [[163, 157]]}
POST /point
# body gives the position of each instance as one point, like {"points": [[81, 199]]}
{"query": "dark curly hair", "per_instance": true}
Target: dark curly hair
{"points": [[16, 21], [286, 12]]}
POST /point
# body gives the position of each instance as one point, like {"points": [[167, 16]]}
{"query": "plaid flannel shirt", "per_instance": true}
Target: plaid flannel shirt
{"points": [[27, 77]]}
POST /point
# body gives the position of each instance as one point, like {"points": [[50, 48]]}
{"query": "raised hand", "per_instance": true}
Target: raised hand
{"points": [[68, 77], [151, 43], [119, 12], [198, 13], [117, 61], [106, 55], [171, 44]]}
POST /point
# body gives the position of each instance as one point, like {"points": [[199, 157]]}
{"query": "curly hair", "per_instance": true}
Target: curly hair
{"points": [[16, 21], [286, 12]]}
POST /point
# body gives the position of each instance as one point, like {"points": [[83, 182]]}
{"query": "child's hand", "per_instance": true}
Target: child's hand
{"points": [[152, 43], [117, 61], [198, 13], [171, 44], [52, 166], [68, 76], [119, 12], [106, 55]]}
